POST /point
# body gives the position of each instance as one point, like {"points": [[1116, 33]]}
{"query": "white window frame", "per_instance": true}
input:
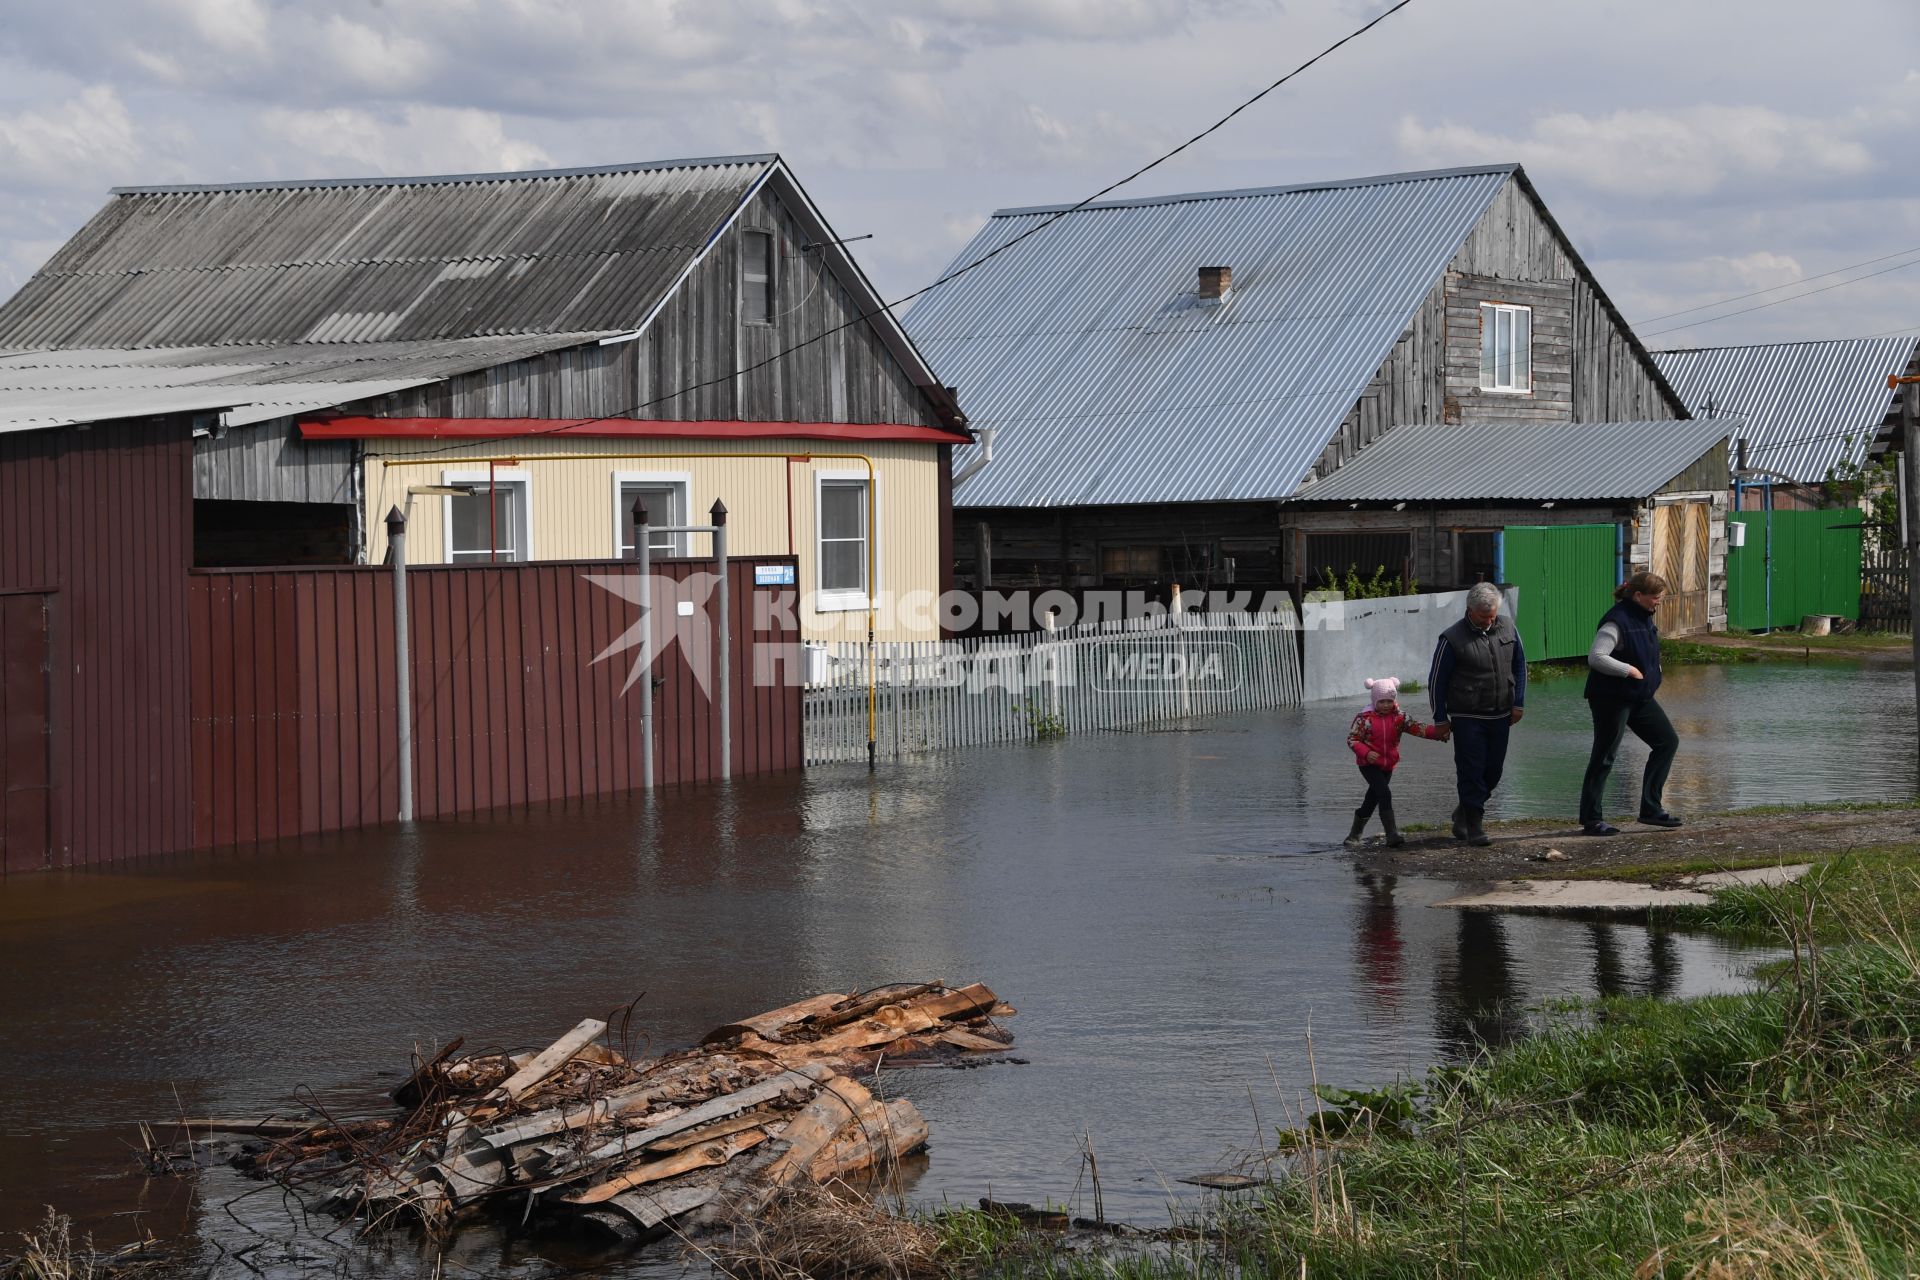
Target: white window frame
{"points": [[517, 476], [1489, 314], [846, 601], [681, 480], [772, 284]]}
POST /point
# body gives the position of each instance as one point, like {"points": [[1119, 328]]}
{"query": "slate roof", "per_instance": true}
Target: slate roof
{"points": [[265, 299], [1108, 381], [1521, 462], [1805, 406]]}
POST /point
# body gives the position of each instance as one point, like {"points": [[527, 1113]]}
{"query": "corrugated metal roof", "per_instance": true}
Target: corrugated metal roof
{"points": [[1520, 462], [380, 259], [1799, 402], [40, 389], [1107, 381]]}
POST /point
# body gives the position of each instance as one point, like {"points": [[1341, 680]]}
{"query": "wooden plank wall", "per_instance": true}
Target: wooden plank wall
{"points": [[848, 376], [294, 695], [101, 520]]}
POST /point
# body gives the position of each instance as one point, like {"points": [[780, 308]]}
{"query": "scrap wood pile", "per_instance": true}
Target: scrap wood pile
{"points": [[695, 1138]]}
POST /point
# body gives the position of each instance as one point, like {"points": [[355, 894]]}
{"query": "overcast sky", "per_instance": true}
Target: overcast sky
{"points": [[1693, 149]]}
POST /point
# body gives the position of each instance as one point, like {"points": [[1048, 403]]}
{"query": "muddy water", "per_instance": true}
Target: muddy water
{"points": [[1164, 908]]}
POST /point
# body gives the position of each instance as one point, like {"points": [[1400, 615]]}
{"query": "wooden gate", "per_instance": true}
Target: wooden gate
{"points": [[1680, 535], [26, 755], [1883, 581]]}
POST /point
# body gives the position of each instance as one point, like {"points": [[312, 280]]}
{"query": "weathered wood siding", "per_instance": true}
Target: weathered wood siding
{"points": [[271, 463], [1586, 368], [693, 362]]}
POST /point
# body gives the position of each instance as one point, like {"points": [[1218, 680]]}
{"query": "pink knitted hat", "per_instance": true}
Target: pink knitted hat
{"points": [[1386, 689]]}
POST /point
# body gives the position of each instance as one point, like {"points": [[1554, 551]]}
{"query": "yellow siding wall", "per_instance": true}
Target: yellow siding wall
{"points": [[571, 484]]}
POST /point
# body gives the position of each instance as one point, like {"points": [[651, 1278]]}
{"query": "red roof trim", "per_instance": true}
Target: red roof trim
{"points": [[364, 428]]}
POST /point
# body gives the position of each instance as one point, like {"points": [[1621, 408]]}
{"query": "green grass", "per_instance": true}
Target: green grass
{"points": [[1770, 1134]]}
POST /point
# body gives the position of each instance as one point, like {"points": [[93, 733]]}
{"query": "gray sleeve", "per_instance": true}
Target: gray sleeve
{"points": [[1600, 656]]}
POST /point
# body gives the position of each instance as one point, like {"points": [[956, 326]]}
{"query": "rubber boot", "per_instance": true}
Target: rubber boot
{"points": [[1394, 838], [1459, 822], [1476, 836], [1359, 825]]}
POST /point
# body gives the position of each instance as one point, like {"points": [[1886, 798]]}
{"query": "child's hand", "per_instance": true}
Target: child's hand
{"points": [[1373, 757], [1444, 732]]}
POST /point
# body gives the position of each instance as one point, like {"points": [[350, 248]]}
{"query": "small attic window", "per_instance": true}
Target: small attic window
{"points": [[756, 277]]}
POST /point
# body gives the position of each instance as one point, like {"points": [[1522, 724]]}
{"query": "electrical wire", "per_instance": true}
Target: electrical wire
{"points": [[887, 308]]}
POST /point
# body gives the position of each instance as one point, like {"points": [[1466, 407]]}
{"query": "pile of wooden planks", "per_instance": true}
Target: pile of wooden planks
{"points": [[694, 1138]]}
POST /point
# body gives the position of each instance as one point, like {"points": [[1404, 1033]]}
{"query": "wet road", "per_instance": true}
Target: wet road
{"points": [[1163, 908]]}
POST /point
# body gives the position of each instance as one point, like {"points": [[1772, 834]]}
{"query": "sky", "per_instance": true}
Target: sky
{"points": [[1693, 149]]}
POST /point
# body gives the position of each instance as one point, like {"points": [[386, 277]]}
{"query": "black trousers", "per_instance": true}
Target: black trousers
{"points": [[1612, 717], [1379, 791], [1479, 758]]}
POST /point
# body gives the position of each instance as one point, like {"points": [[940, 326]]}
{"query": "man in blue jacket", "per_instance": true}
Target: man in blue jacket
{"points": [[1479, 688]]}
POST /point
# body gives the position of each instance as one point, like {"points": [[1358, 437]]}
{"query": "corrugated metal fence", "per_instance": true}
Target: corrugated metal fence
{"points": [[1565, 574], [1813, 558], [938, 695], [294, 696]]}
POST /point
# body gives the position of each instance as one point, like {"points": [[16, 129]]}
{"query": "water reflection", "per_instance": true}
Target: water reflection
{"points": [[1169, 912]]}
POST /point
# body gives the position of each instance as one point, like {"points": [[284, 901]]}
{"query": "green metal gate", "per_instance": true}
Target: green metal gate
{"points": [[1813, 558], [1565, 574]]}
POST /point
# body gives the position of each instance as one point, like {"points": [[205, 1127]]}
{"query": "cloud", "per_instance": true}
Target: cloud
{"points": [[414, 140], [86, 139], [1692, 151]]}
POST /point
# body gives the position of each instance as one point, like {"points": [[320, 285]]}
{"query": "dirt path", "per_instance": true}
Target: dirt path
{"points": [[1708, 843]]}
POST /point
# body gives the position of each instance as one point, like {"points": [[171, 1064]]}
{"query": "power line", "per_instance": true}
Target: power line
{"points": [[1839, 284], [1791, 284], [887, 308]]}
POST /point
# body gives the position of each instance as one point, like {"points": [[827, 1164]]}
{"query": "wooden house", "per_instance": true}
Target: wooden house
{"points": [[1166, 384], [562, 341]]}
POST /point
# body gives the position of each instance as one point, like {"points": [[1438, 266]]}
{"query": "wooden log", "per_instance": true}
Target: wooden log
{"points": [[552, 1058], [881, 1134], [754, 1119], [701, 1156], [769, 1023], [960, 1038], [861, 1035], [838, 1101], [964, 1003], [868, 1004]]}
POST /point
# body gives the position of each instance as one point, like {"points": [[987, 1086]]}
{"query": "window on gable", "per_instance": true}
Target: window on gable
{"points": [[756, 277], [1506, 347]]}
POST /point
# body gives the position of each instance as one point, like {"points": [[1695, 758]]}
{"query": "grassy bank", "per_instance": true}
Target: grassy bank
{"points": [[1769, 1134]]}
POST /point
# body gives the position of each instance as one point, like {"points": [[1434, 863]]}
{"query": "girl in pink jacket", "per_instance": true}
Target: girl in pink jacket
{"points": [[1375, 739]]}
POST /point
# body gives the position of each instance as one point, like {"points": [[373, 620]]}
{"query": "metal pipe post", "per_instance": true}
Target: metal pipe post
{"points": [[1910, 506], [643, 552], [402, 673], [726, 648]]}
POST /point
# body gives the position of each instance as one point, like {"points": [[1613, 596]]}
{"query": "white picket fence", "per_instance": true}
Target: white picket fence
{"points": [[937, 695]]}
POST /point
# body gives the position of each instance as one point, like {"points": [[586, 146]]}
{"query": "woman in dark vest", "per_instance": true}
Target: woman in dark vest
{"points": [[1623, 676]]}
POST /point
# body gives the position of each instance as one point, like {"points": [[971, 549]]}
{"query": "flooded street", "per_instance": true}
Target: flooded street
{"points": [[1168, 910]]}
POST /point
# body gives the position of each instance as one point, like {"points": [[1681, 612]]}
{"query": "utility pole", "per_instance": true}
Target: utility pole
{"points": [[1910, 508]]}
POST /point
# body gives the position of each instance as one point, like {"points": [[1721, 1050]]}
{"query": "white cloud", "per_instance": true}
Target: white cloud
{"points": [[230, 26], [1688, 152], [415, 140], [88, 138]]}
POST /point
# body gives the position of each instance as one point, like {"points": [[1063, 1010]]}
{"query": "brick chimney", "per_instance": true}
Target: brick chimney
{"points": [[1215, 282]]}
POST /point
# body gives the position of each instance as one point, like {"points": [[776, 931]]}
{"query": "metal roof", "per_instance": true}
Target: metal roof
{"points": [[40, 389], [380, 259], [1805, 406], [1521, 462], [1107, 379]]}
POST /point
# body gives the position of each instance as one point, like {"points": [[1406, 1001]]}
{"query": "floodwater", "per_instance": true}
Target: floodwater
{"points": [[1169, 911]]}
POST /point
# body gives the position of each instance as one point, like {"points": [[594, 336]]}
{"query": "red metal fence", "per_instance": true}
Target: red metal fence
{"points": [[293, 714]]}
